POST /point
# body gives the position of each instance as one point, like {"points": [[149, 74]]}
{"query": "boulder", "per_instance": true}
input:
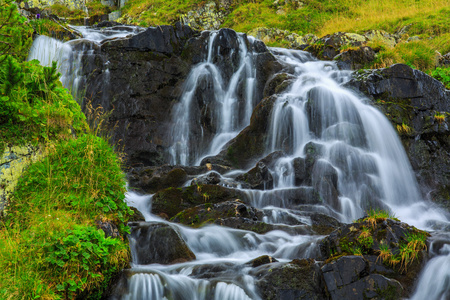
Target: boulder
{"points": [[262, 260], [171, 201], [377, 242], [257, 178], [209, 213], [299, 279], [349, 278], [355, 59], [158, 243]]}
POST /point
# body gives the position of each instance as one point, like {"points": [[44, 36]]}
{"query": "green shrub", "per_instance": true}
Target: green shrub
{"points": [[33, 104], [443, 75], [88, 247], [15, 32]]}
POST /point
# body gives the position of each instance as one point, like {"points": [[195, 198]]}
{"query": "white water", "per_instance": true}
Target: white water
{"points": [[71, 55], [188, 140], [357, 143]]}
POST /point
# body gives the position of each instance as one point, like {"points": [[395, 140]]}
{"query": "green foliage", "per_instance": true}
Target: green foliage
{"points": [[443, 75], [15, 32], [85, 245], [33, 104]]}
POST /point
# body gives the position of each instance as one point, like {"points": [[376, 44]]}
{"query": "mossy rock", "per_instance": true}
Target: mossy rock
{"points": [[210, 213], [171, 201], [384, 239]]}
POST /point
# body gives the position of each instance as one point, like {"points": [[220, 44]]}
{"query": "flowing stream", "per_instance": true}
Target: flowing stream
{"points": [[360, 163]]}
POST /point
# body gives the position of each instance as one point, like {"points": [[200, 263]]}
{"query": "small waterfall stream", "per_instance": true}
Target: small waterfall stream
{"points": [[359, 155], [229, 115]]}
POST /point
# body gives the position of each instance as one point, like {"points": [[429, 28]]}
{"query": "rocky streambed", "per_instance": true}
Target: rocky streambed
{"points": [[256, 161]]}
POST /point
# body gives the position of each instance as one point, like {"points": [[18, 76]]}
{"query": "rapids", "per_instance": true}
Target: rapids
{"points": [[355, 143]]}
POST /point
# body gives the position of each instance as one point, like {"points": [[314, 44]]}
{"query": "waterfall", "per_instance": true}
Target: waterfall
{"points": [[224, 107], [356, 162], [72, 55]]}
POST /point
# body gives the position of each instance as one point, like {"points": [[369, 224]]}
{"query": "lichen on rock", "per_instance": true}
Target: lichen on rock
{"points": [[14, 160]]}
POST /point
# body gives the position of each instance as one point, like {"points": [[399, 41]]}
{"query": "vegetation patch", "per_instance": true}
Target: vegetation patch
{"points": [[396, 244]]}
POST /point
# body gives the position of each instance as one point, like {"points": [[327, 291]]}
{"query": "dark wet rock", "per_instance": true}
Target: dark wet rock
{"points": [[262, 227], [262, 260], [158, 243], [325, 182], [323, 224], [140, 79], [163, 39], [249, 225], [412, 101], [153, 179], [208, 178], [210, 212], [355, 59], [107, 24], [171, 201], [278, 83], [349, 278], [109, 228], [257, 178], [299, 279], [221, 270], [303, 167]]}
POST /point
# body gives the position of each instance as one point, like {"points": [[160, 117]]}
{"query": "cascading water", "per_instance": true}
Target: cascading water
{"points": [[70, 56], [229, 116], [359, 163]]}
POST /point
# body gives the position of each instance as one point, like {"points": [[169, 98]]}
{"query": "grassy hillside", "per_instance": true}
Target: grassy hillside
{"points": [[427, 20]]}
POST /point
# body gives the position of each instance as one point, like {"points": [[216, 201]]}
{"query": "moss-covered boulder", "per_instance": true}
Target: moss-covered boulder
{"points": [[171, 201], [210, 213], [385, 246]]}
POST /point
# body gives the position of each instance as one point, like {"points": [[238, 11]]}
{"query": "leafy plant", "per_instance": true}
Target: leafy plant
{"points": [[88, 247], [15, 32], [33, 104], [443, 75]]}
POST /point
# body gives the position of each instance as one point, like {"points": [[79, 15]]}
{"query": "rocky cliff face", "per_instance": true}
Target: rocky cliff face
{"points": [[141, 79]]}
